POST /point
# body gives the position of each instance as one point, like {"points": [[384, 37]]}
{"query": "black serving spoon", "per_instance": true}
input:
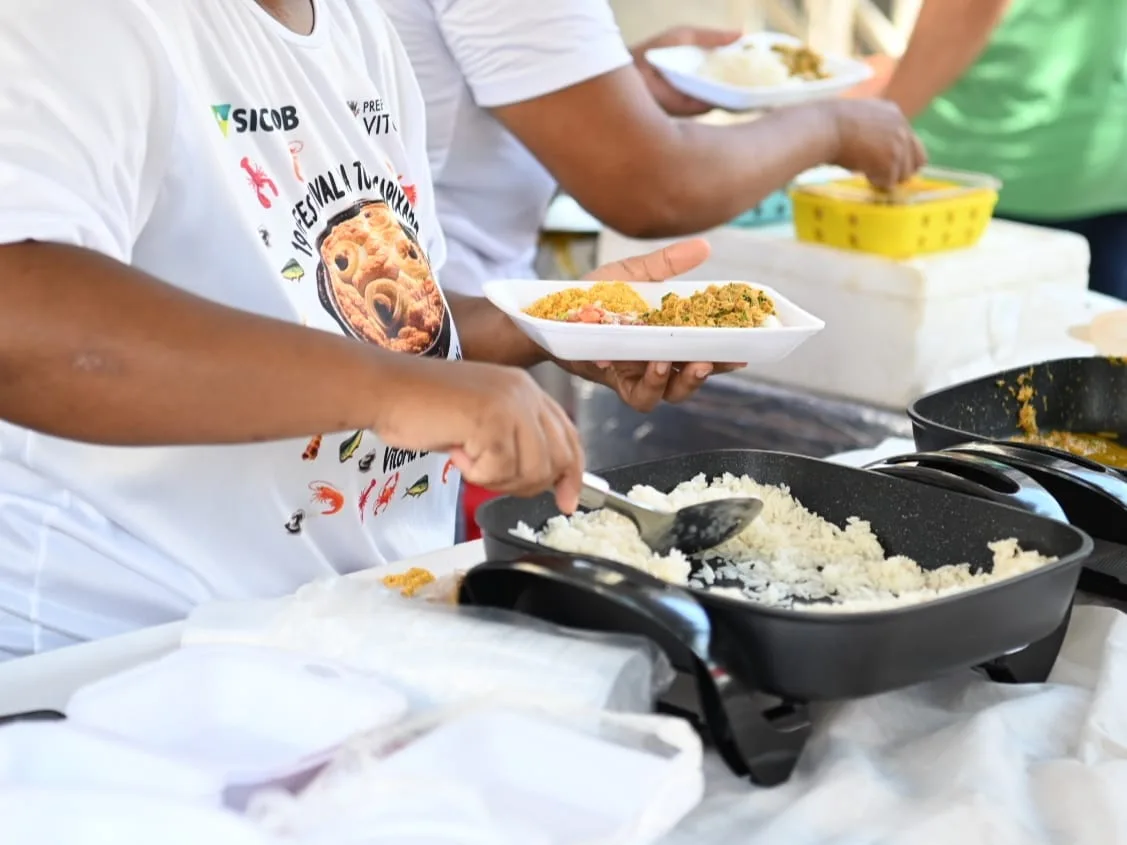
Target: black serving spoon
{"points": [[693, 529]]}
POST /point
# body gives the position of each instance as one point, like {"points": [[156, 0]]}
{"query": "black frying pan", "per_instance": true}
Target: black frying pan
{"points": [[1070, 394], [817, 656]]}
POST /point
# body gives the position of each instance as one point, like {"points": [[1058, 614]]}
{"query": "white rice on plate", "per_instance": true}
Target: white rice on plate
{"points": [[789, 556], [751, 66]]}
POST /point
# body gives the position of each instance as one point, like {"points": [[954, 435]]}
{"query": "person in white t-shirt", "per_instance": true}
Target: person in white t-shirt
{"points": [[524, 95], [226, 365]]}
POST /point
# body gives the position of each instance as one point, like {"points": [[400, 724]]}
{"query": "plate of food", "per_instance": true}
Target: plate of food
{"points": [[761, 70], [722, 322]]}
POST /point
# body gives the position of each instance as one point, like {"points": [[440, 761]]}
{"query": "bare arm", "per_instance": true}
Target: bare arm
{"points": [[124, 359], [948, 38], [488, 335], [646, 174], [612, 147]]}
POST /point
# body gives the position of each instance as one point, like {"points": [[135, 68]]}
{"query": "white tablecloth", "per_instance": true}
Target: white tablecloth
{"points": [[959, 761]]}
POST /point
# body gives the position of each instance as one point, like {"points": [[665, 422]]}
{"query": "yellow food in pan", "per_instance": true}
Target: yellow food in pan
{"points": [[1102, 448]]}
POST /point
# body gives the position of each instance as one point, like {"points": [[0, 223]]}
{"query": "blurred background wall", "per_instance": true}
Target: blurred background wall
{"points": [[841, 26], [641, 19]]}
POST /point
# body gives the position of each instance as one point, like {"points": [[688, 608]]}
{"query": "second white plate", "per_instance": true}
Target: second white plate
{"points": [[589, 342], [681, 66]]}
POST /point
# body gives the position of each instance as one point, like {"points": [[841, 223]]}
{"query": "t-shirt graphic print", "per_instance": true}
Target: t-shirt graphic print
{"points": [[353, 239], [374, 278], [353, 223], [280, 174]]}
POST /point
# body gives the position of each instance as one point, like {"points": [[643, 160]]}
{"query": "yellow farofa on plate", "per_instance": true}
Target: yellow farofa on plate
{"points": [[802, 62], [615, 297], [733, 305]]}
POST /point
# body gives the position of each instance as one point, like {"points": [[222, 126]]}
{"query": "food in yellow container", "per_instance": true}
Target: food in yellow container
{"points": [[933, 211]]}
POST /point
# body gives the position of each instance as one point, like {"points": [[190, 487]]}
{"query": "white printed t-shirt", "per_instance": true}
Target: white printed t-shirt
{"points": [[474, 55], [282, 174]]}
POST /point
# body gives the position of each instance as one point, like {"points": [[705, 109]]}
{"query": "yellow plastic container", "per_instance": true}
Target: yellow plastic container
{"points": [[935, 211]]}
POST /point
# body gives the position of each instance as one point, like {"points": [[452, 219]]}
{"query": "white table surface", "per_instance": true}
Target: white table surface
{"points": [[958, 759], [47, 681]]}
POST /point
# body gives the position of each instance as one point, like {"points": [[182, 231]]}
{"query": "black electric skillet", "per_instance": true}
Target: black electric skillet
{"points": [[798, 656], [823, 655], [1070, 394]]}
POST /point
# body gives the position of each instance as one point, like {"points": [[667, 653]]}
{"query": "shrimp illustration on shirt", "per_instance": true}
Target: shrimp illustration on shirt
{"points": [[328, 500]]}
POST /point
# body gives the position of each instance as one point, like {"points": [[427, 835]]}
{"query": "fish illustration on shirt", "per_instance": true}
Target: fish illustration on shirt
{"points": [[293, 271], [418, 488], [348, 447]]}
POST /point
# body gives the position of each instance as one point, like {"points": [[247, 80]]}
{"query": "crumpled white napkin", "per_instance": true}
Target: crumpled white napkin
{"points": [[957, 761]]}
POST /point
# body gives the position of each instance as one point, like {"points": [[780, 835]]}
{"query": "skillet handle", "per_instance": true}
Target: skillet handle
{"points": [[988, 479], [32, 716], [758, 736], [1058, 454], [940, 478], [1111, 484], [594, 596]]}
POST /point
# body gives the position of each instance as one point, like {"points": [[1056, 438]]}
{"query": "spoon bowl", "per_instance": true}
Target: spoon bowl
{"points": [[691, 529]]}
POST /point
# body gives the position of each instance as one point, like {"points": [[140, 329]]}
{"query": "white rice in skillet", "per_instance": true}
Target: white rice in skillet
{"points": [[788, 555]]}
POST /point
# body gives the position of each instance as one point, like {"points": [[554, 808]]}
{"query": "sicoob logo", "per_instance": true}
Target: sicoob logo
{"points": [[283, 119]]}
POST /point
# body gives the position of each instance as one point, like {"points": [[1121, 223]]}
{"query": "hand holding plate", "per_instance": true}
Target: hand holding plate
{"points": [[642, 385]]}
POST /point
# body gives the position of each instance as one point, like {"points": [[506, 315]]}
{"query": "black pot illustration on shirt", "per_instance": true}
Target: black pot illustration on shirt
{"points": [[376, 282]]}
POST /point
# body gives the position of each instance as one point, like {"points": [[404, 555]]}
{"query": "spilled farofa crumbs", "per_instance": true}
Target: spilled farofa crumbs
{"points": [[410, 582]]}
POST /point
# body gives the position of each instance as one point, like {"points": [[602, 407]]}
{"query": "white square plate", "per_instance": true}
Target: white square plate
{"points": [[590, 342], [682, 67]]}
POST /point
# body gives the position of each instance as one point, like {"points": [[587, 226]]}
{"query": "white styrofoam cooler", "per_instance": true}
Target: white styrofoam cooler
{"points": [[897, 329]]}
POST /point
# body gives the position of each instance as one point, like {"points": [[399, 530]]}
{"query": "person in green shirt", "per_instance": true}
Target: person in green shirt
{"points": [[1035, 93]]}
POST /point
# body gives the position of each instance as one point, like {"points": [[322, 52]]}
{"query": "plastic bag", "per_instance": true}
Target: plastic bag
{"points": [[379, 810], [65, 756], [247, 715], [73, 817], [445, 654], [498, 774]]}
